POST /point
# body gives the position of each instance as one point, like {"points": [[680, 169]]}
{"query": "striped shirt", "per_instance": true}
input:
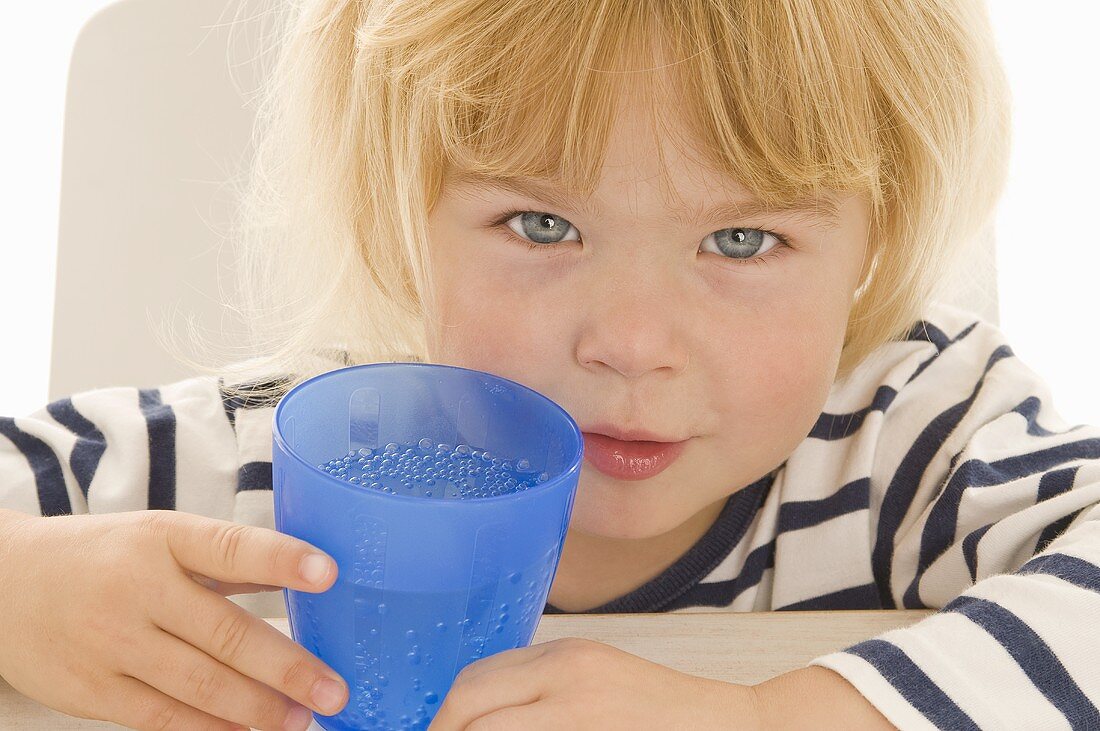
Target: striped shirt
{"points": [[937, 476]]}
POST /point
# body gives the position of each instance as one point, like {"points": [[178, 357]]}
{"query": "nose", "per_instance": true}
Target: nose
{"points": [[635, 326]]}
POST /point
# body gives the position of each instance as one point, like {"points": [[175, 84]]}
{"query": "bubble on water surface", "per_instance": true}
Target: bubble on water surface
{"points": [[438, 469]]}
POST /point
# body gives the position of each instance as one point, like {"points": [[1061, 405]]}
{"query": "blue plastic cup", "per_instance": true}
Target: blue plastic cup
{"points": [[427, 584]]}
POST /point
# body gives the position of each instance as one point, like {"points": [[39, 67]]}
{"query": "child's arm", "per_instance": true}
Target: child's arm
{"points": [[815, 698], [584, 685], [987, 508]]}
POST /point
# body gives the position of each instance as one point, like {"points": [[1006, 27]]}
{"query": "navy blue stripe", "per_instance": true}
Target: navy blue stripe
{"points": [[1029, 408], [797, 514], [722, 593], [160, 420], [1054, 530], [90, 444], [830, 427], [864, 596], [913, 684], [49, 479], [1034, 657], [922, 330], [1075, 570], [903, 486], [939, 530], [970, 549], [1055, 483], [254, 476], [759, 560], [941, 345], [710, 594]]}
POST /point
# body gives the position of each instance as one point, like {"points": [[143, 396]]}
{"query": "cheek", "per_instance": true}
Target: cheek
{"points": [[778, 375], [487, 321], [802, 371]]}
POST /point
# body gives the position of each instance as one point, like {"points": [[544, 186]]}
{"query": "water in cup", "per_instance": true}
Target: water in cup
{"points": [[402, 629], [425, 469]]}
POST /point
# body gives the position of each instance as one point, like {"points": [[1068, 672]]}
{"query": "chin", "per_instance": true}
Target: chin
{"points": [[625, 510]]}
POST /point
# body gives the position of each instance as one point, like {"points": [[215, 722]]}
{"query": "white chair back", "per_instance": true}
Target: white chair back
{"points": [[157, 128]]}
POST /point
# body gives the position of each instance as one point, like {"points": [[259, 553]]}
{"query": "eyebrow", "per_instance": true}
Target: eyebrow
{"points": [[823, 212]]}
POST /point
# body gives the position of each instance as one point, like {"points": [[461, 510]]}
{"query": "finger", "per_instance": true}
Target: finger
{"points": [[249, 645], [490, 691], [142, 707], [236, 553], [181, 671], [507, 658]]}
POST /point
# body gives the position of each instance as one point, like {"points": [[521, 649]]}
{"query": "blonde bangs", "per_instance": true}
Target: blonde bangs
{"points": [[532, 92], [515, 104]]}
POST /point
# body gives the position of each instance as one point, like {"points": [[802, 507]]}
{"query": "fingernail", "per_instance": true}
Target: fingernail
{"points": [[327, 694], [299, 719], [314, 568]]}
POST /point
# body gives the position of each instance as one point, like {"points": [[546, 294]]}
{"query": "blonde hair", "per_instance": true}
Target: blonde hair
{"points": [[371, 102]]}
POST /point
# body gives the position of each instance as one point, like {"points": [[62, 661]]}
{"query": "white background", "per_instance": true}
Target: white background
{"points": [[1048, 236]]}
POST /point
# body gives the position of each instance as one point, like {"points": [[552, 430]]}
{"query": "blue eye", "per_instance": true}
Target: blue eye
{"points": [[740, 243], [541, 228]]}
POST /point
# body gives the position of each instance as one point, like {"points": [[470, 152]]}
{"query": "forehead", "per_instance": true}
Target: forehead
{"points": [[824, 212], [652, 155]]}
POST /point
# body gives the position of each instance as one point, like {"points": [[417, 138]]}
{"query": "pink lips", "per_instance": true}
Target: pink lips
{"points": [[629, 459]]}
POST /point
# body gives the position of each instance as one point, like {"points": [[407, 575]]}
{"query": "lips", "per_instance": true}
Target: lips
{"points": [[629, 459]]}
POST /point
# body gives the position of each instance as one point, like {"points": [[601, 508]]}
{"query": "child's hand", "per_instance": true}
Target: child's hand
{"points": [[122, 617], [581, 684]]}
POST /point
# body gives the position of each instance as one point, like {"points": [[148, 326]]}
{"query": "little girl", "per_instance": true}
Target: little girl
{"points": [[718, 233]]}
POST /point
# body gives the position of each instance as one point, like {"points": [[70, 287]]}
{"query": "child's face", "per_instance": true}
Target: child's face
{"points": [[642, 320]]}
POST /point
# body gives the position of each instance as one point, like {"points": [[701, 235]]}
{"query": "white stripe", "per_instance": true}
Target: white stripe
{"points": [[806, 559], [206, 453], [982, 678], [1012, 541], [121, 481], [254, 434], [1082, 537], [876, 689], [18, 490], [1054, 609]]}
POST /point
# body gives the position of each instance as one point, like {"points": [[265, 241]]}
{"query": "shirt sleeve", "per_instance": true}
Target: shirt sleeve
{"points": [[120, 449], [989, 511]]}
